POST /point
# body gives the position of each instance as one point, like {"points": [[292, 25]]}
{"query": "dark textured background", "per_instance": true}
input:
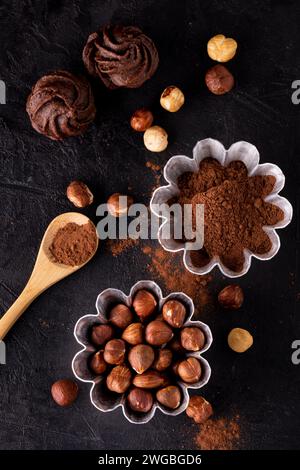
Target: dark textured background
{"points": [[39, 36]]}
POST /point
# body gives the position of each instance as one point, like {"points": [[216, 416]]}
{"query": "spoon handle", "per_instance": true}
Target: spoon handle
{"points": [[18, 307]]}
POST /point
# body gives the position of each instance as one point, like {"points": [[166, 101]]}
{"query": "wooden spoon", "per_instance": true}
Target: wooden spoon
{"points": [[46, 272]]}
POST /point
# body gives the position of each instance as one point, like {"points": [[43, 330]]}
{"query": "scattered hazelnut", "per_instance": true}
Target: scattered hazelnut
{"points": [[133, 334], [169, 396], [121, 316], [141, 357], [144, 304], [119, 379], [174, 313], [219, 80], [118, 204], [101, 334], [79, 194], [172, 99], [141, 120], [156, 139], [140, 400], [98, 364], [114, 351], [192, 338], [189, 370], [150, 379], [221, 49], [158, 333], [64, 392], [231, 297], [239, 340], [163, 359], [199, 409]]}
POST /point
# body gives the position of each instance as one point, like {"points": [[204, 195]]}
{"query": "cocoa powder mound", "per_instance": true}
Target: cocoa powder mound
{"points": [[234, 211], [219, 434], [74, 244], [170, 269]]}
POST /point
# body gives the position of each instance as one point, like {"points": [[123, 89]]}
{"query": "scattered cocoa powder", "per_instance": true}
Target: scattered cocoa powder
{"points": [[74, 244], [234, 210], [117, 247], [170, 269], [156, 169], [219, 434], [153, 166]]}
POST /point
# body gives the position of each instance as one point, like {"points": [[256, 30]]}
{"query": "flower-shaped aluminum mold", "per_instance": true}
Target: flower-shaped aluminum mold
{"points": [[249, 155], [105, 400]]}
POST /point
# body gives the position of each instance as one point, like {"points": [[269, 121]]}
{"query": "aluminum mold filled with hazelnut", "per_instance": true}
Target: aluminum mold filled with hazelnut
{"points": [[146, 379]]}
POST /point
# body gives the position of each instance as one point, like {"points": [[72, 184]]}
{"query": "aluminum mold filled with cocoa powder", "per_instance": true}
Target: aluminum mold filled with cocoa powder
{"points": [[102, 398], [256, 185]]}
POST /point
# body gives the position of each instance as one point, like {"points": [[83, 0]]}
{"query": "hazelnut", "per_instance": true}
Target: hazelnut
{"points": [[114, 351], [192, 338], [121, 316], [118, 204], [141, 357], [163, 359], [140, 400], [174, 313], [239, 340], [189, 370], [221, 49], [79, 194], [158, 333], [169, 396], [64, 392], [119, 379], [176, 346], [156, 139], [219, 80], [231, 297], [199, 409], [98, 364], [141, 120], [150, 379], [101, 334], [144, 304], [172, 99], [133, 334]]}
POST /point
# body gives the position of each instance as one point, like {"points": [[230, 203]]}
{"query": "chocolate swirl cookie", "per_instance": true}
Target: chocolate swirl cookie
{"points": [[61, 105], [122, 56]]}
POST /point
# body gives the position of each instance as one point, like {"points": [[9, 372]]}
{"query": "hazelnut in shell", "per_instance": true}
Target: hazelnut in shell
{"points": [[141, 120], [150, 379], [192, 338], [114, 351], [79, 194], [174, 313], [140, 400], [118, 204], [141, 357], [133, 334], [121, 316], [119, 379], [199, 409], [158, 333], [231, 297], [189, 370], [101, 334], [97, 363], [163, 359], [64, 392], [169, 396], [144, 304]]}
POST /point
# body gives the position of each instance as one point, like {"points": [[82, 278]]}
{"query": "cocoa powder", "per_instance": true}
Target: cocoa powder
{"points": [[74, 244], [234, 211], [219, 434], [117, 247]]}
